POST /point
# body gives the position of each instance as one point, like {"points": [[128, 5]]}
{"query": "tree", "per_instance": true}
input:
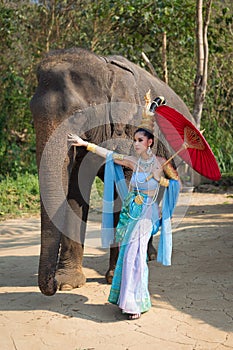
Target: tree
{"points": [[200, 82], [126, 27]]}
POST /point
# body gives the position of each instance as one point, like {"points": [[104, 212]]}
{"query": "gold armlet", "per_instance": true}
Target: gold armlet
{"points": [[164, 182], [118, 156], [91, 147], [171, 172]]}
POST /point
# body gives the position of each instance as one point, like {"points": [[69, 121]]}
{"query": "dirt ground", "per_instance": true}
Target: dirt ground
{"points": [[192, 300]]}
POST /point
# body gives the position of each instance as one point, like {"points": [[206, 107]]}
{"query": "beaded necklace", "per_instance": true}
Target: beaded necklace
{"points": [[139, 198], [145, 165]]}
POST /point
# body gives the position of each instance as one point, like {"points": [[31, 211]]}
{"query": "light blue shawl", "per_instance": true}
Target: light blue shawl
{"points": [[114, 175], [170, 198]]}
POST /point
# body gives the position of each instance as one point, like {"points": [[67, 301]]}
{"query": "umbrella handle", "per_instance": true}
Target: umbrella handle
{"points": [[184, 146]]}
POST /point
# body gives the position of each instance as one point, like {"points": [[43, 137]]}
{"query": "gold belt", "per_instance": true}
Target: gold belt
{"points": [[138, 199]]}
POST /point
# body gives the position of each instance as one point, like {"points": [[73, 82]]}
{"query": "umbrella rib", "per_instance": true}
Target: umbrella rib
{"points": [[173, 126]]}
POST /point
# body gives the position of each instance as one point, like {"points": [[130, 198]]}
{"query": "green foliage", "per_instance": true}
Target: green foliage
{"points": [[28, 29], [17, 147], [19, 197], [217, 115], [17, 140], [218, 124], [96, 198]]}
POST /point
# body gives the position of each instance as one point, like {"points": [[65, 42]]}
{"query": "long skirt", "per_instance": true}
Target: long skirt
{"points": [[136, 224]]}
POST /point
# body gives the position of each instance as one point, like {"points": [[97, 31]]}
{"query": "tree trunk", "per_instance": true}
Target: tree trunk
{"points": [[200, 82], [149, 64], [164, 57]]}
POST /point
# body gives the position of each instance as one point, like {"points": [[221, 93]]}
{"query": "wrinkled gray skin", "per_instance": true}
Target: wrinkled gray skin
{"points": [[97, 98]]}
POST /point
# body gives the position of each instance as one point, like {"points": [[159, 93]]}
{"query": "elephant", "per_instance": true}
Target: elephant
{"points": [[101, 99]]}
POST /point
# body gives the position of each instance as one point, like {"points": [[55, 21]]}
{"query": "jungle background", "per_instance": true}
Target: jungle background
{"points": [[29, 29]]}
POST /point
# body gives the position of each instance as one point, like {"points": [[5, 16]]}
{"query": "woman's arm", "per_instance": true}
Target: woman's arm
{"points": [[168, 170], [101, 151]]}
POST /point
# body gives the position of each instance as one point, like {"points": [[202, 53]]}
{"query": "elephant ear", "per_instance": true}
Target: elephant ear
{"points": [[120, 62]]}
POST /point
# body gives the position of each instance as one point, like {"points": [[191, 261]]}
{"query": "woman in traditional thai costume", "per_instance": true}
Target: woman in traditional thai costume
{"points": [[140, 216]]}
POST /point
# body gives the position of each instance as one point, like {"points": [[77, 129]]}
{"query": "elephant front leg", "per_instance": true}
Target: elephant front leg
{"points": [[69, 274]]}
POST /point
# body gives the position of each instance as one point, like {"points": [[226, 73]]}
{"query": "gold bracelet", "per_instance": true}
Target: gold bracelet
{"points": [[118, 156], [91, 147], [164, 182], [171, 172]]}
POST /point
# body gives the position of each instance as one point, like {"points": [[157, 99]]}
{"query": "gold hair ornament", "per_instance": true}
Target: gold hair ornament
{"points": [[147, 121]]}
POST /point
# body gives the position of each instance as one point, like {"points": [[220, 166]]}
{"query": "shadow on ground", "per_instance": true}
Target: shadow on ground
{"points": [[199, 282]]}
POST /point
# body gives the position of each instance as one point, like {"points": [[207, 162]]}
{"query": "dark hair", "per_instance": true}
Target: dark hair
{"points": [[146, 133]]}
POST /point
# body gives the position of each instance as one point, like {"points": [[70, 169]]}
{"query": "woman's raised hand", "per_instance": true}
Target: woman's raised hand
{"points": [[76, 140]]}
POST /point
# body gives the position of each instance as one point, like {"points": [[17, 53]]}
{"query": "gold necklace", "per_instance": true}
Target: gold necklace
{"points": [[144, 165]]}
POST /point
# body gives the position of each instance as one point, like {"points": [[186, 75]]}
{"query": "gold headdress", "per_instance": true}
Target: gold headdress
{"points": [[147, 121], [148, 118]]}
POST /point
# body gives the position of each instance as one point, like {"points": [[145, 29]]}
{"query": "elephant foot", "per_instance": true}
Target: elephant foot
{"points": [[152, 253], [109, 276], [67, 282]]}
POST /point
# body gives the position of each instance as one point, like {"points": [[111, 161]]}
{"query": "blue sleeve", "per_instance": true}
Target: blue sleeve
{"points": [[113, 175]]}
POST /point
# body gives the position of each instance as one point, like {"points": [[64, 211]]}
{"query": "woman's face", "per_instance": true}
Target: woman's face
{"points": [[141, 143]]}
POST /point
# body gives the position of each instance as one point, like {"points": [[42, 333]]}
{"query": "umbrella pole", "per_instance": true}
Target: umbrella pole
{"points": [[184, 146]]}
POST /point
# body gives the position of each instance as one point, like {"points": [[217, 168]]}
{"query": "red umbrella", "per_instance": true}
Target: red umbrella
{"points": [[187, 141]]}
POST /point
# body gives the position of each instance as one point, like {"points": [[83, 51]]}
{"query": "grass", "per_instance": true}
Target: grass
{"points": [[19, 197], [227, 179]]}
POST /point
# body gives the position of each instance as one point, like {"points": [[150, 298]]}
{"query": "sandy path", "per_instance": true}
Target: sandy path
{"points": [[192, 299]]}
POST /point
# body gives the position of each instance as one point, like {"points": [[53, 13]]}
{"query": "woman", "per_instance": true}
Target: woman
{"points": [[139, 218]]}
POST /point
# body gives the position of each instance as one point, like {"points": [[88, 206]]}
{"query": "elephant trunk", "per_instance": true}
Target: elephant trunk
{"points": [[50, 243], [53, 178]]}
